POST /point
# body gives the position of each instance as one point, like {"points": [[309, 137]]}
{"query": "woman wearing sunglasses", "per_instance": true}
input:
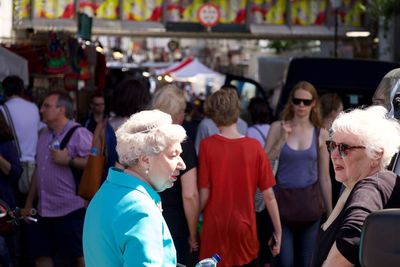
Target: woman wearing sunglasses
{"points": [[299, 142], [362, 144]]}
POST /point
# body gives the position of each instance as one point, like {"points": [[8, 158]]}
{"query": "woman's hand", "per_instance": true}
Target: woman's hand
{"points": [[286, 129], [275, 244], [193, 244]]}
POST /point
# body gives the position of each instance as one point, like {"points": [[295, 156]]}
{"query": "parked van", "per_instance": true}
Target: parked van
{"points": [[354, 80]]}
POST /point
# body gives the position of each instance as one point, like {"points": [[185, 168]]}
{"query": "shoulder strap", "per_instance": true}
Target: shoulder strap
{"points": [[317, 130], [76, 173], [11, 124], [260, 132], [68, 136]]}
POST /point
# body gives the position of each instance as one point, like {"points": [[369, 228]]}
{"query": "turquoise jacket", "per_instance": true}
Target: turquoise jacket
{"points": [[124, 225]]}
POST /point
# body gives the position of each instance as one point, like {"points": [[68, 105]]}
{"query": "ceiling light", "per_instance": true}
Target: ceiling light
{"points": [[358, 34]]}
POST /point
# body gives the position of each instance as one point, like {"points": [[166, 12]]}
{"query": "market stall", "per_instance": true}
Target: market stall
{"points": [[13, 64], [202, 79]]}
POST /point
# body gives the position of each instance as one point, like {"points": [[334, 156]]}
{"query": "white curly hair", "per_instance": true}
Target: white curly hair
{"points": [[374, 128], [147, 132]]}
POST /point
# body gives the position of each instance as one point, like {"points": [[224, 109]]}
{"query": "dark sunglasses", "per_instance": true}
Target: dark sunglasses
{"points": [[343, 148], [306, 102]]}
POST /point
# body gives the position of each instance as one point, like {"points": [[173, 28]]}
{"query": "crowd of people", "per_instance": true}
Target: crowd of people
{"points": [[290, 192]]}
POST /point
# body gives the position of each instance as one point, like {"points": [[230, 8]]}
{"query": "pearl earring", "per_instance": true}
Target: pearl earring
{"points": [[147, 171]]}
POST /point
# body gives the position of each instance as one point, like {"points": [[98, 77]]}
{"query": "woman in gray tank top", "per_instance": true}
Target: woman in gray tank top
{"points": [[298, 140]]}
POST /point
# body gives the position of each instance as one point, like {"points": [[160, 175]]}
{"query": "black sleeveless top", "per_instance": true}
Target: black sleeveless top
{"points": [[380, 191]]}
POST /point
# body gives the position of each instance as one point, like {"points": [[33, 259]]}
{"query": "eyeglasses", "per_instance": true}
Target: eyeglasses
{"points": [[342, 148], [306, 102]]}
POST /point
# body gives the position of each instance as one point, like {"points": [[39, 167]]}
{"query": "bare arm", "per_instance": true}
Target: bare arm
{"points": [[276, 138], [61, 157], [5, 166], [204, 194], [335, 258], [272, 207], [32, 194], [323, 172], [79, 163], [191, 205]]}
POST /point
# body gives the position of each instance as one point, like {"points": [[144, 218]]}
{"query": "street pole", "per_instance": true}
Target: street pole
{"points": [[335, 5], [335, 36]]}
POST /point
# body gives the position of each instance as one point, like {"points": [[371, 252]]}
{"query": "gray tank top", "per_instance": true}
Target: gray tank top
{"points": [[298, 168]]}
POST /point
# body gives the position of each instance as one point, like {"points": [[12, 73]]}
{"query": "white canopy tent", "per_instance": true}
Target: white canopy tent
{"points": [[193, 71], [13, 64]]}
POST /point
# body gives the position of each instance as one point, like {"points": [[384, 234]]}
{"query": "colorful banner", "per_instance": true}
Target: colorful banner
{"points": [[189, 13], [175, 9], [25, 11], [101, 9], [268, 11], [352, 13], [276, 12], [308, 12], [232, 11], [54, 9], [142, 10]]}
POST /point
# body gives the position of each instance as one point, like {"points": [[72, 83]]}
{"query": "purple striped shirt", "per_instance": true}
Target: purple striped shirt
{"points": [[55, 183]]}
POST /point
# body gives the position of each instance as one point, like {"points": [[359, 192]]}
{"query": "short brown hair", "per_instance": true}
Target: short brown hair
{"points": [[328, 103], [223, 107]]}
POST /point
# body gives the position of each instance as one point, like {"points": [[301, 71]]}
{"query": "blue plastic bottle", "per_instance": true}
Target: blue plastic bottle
{"points": [[209, 262], [93, 151]]}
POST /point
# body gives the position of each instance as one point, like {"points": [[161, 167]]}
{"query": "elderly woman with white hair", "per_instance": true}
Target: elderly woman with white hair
{"points": [[361, 146], [124, 225]]}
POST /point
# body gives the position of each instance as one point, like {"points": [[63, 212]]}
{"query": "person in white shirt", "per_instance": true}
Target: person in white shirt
{"points": [[24, 116]]}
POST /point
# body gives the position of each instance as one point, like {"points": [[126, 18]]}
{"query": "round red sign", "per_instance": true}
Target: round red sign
{"points": [[208, 15]]}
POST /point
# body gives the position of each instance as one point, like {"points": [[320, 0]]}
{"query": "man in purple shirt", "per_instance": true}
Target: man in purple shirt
{"points": [[58, 231]]}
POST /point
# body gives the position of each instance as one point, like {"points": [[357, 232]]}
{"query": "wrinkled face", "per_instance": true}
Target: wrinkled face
{"points": [[98, 105], [352, 163], [165, 166], [302, 103], [50, 110]]}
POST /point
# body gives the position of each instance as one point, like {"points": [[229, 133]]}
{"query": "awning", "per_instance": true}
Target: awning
{"points": [[13, 64]]}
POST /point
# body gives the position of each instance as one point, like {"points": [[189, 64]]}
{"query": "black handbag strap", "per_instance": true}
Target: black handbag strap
{"points": [[75, 172], [11, 124], [68, 136], [318, 130]]}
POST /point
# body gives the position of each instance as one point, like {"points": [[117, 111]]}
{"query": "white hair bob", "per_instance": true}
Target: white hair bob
{"points": [[374, 129], [147, 132]]}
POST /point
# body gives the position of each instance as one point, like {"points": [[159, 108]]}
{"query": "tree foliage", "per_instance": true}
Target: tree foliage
{"points": [[383, 8]]}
